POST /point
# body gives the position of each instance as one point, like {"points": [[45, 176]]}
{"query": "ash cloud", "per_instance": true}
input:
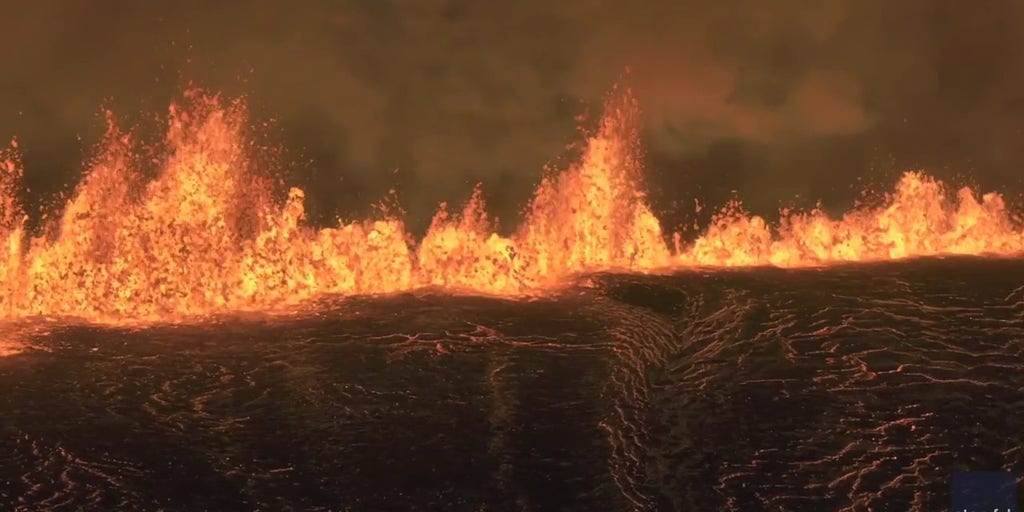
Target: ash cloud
{"points": [[770, 99]]}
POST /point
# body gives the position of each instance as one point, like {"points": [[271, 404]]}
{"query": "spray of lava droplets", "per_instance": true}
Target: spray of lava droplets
{"points": [[206, 235]]}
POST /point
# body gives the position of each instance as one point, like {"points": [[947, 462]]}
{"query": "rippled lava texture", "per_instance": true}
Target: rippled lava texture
{"points": [[858, 388]]}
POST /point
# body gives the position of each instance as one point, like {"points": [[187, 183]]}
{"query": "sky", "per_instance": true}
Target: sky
{"points": [[766, 101]]}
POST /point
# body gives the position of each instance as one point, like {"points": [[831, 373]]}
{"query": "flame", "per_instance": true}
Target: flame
{"points": [[206, 235]]}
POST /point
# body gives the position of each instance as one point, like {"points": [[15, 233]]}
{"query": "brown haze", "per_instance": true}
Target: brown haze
{"points": [[772, 99]]}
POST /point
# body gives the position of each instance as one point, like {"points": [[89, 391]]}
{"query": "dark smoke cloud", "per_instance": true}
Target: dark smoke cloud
{"points": [[771, 99]]}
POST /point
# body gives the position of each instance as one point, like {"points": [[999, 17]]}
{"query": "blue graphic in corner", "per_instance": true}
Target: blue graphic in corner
{"points": [[985, 491]]}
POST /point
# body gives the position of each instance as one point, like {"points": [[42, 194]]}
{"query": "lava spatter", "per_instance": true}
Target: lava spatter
{"points": [[917, 219], [206, 235]]}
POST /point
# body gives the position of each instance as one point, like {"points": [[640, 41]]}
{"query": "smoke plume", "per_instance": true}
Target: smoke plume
{"points": [[771, 99]]}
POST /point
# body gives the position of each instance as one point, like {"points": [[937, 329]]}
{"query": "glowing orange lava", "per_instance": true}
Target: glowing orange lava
{"points": [[206, 236]]}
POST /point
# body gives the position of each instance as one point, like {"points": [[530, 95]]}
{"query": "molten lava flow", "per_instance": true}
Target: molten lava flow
{"points": [[207, 236], [12, 228], [918, 219]]}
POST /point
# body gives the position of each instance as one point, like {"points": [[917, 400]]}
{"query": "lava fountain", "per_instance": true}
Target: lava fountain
{"points": [[207, 236]]}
